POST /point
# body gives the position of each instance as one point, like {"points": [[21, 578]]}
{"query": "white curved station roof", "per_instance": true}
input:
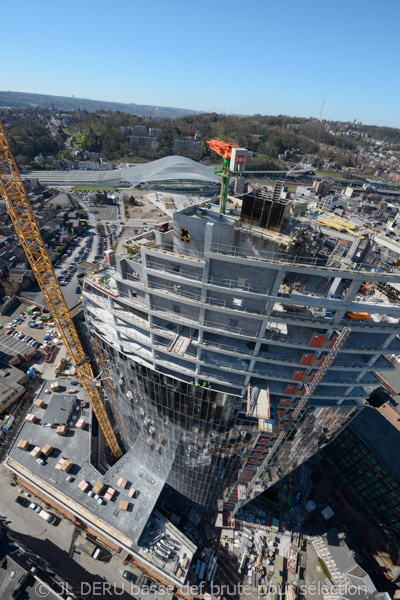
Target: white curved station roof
{"points": [[171, 172]]}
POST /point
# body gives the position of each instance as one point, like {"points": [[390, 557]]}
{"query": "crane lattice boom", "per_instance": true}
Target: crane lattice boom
{"points": [[27, 229], [222, 148]]}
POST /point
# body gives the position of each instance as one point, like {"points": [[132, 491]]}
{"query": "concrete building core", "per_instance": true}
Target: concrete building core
{"points": [[210, 330]]}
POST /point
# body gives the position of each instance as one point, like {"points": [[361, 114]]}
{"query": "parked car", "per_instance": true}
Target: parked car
{"points": [[47, 517], [35, 507], [22, 501], [129, 576]]}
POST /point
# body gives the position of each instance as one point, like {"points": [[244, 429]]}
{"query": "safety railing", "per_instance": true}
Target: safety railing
{"points": [[292, 260]]}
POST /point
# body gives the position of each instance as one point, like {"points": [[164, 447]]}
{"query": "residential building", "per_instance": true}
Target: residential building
{"points": [[12, 380], [55, 457], [140, 130], [154, 132], [347, 578], [189, 147], [144, 140], [321, 187]]}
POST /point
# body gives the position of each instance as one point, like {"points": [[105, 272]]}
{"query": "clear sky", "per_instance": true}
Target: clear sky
{"points": [[241, 57]]}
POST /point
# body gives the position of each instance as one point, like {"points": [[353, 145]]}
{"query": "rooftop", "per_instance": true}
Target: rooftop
{"points": [[75, 447], [379, 434], [59, 409], [140, 492], [390, 414]]}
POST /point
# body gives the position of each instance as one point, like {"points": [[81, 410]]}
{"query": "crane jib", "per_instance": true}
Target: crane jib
{"points": [[22, 216]]}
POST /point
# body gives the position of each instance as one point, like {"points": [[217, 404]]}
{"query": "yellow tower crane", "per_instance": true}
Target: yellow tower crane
{"points": [[27, 229]]}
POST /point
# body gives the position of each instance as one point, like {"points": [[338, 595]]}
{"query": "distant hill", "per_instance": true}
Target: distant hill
{"points": [[25, 100]]}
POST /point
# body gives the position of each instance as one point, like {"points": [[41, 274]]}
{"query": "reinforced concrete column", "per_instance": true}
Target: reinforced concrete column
{"points": [[361, 375], [148, 303], [334, 286], [373, 359], [347, 298], [274, 292], [352, 250], [277, 283], [111, 304], [352, 290], [388, 340], [207, 246]]}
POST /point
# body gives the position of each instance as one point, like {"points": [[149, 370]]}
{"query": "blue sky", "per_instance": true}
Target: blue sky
{"points": [[229, 57]]}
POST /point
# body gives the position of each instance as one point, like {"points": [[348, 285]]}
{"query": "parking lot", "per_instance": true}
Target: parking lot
{"points": [[101, 212], [83, 248], [22, 336]]}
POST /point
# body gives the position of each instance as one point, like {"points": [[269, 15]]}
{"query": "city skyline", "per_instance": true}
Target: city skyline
{"points": [[246, 60]]}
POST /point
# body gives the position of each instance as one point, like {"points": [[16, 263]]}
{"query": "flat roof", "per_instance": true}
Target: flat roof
{"points": [[379, 434], [124, 526], [390, 415], [59, 409], [12, 346], [75, 447]]}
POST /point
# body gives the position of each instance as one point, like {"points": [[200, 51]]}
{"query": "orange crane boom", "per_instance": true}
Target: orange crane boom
{"points": [[224, 149], [25, 224]]}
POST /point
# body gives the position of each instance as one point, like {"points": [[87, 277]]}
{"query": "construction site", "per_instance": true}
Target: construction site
{"points": [[227, 347]]}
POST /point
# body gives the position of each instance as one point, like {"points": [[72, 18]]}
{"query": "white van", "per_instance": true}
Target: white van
{"points": [[47, 517]]}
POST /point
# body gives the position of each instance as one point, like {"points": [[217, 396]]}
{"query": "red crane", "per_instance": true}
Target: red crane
{"points": [[224, 149]]}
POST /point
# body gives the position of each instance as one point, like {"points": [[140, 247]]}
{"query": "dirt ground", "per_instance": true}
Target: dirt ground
{"points": [[145, 211]]}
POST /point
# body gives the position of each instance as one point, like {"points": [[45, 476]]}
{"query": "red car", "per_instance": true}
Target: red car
{"points": [[9, 331]]}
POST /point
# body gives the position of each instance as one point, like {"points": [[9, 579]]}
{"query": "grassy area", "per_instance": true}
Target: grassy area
{"points": [[93, 188], [325, 569], [331, 174]]}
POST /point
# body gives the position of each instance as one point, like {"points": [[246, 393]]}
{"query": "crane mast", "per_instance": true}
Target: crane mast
{"points": [[234, 161], [27, 229]]}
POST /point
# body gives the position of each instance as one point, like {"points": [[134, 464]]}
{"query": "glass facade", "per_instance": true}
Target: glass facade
{"points": [[374, 483], [200, 440]]}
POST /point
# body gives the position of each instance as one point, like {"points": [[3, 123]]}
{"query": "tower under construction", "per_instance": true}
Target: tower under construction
{"points": [[236, 348]]}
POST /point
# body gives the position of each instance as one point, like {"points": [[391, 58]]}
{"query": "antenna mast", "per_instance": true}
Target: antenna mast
{"points": [[322, 108]]}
